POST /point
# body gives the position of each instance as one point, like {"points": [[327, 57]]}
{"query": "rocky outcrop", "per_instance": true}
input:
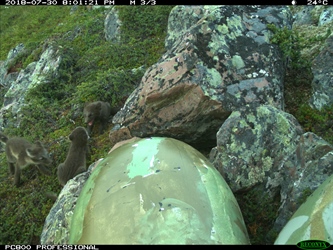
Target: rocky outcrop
{"points": [[56, 226], [326, 16], [318, 20], [7, 69], [322, 83], [303, 16], [251, 145], [219, 59], [303, 171], [265, 148], [33, 75], [112, 25]]}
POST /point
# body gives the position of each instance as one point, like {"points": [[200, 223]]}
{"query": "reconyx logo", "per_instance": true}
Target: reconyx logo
{"points": [[313, 244]]}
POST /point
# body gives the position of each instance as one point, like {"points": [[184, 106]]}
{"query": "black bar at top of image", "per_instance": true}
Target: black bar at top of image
{"points": [[213, 2], [160, 2]]}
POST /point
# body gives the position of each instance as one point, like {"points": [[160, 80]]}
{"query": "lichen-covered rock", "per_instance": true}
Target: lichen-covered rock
{"points": [[303, 16], [303, 171], [219, 59], [55, 230], [313, 219], [181, 18], [34, 74], [112, 26], [156, 191], [326, 16], [56, 225], [322, 83], [264, 149], [7, 76], [251, 145]]}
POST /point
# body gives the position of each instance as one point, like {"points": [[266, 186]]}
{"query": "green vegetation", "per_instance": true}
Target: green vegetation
{"points": [[305, 194], [318, 122], [91, 69], [299, 47], [291, 45], [259, 213]]}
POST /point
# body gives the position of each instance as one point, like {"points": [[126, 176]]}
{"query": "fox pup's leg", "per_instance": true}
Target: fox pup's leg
{"points": [[44, 170], [102, 127], [17, 176], [89, 128], [11, 168], [79, 171], [61, 175]]}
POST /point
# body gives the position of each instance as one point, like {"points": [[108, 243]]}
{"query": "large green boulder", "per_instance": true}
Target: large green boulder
{"points": [[156, 191]]}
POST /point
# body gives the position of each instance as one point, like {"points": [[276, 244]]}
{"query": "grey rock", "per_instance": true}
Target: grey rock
{"points": [[251, 144], [210, 69], [303, 171], [326, 16], [112, 25], [56, 225], [304, 17], [322, 83], [15, 52], [33, 75], [181, 18], [264, 150], [6, 77]]}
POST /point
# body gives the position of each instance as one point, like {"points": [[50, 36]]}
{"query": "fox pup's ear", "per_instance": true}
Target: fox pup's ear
{"points": [[38, 143], [71, 136]]}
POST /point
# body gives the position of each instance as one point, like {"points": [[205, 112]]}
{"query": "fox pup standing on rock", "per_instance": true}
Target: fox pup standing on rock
{"points": [[21, 153], [97, 112], [75, 162]]}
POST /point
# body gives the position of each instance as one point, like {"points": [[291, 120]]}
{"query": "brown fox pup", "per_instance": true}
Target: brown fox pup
{"points": [[97, 112], [75, 162], [21, 153]]}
